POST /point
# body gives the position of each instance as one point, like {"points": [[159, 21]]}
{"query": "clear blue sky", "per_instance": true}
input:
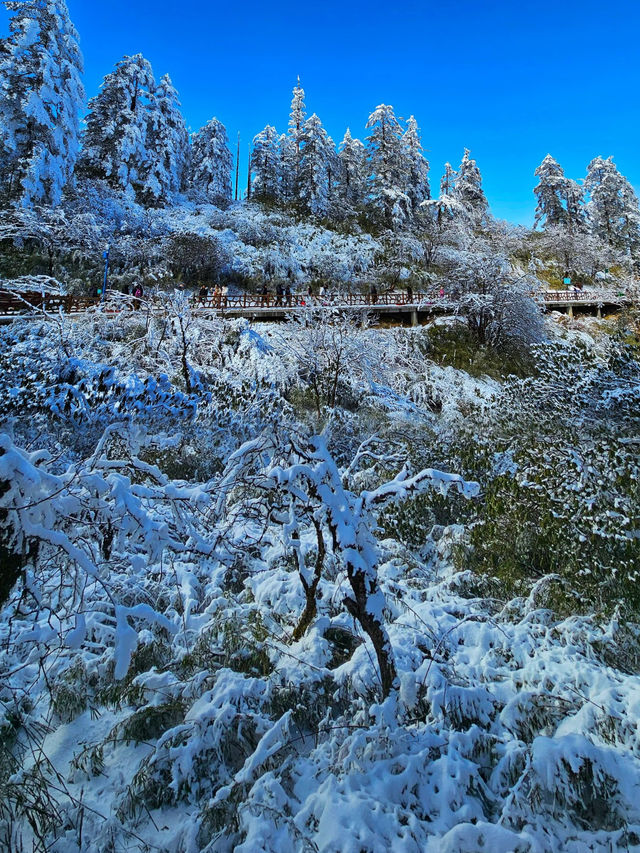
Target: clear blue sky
{"points": [[511, 79]]}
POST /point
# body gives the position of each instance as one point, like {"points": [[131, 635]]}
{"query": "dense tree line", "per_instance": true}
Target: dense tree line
{"points": [[135, 142]]}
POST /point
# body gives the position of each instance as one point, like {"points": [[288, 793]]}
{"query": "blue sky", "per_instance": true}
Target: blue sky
{"points": [[513, 81]]}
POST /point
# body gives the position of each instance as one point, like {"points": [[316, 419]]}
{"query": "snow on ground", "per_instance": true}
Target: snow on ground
{"points": [[180, 714]]}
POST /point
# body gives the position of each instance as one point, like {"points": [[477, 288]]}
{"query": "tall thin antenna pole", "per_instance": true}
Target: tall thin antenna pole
{"points": [[238, 166], [249, 174]]}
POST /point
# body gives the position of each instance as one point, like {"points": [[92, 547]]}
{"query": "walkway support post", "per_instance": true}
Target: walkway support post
{"points": [[414, 316], [570, 311]]}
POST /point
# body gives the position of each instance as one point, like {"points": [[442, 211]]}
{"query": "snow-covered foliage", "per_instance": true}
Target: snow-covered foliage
{"points": [[320, 585], [559, 198], [41, 95], [317, 168], [613, 205], [210, 163], [387, 159], [115, 142], [417, 165], [468, 187], [216, 577], [265, 165], [167, 143], [352, 175]]}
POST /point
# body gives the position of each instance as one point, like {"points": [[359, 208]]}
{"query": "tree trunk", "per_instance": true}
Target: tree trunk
{"points": [[372, 626], [311, 589]]}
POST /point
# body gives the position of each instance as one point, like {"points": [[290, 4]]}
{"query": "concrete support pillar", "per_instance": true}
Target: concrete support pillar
{"points": [[599, 315], [414, 316], [570, 311]]}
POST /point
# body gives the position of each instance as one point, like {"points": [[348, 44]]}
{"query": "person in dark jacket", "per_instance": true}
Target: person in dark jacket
{"points": [[138, 293]]}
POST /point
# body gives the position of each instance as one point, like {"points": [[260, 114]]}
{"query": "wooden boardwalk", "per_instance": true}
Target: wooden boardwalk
{"points": [[269, 307]]}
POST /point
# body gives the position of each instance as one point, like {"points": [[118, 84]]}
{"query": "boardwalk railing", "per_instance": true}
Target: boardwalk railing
{"points": [[13, 303]]}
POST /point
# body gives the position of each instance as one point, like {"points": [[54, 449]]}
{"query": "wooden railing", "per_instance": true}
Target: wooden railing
{"points": [[13, 303]]}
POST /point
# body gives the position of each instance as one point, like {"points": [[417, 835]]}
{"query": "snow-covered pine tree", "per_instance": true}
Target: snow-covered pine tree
{"points": [[115, 142], [167, 145], [297, 119], [288, 166], [612, 210], [41, 95], [417, 187], [317, 163], [388, 167], [448, 180], [576, 219], [265, 166], [210, 164], [550, 193], [351, 188], [468, 187]]}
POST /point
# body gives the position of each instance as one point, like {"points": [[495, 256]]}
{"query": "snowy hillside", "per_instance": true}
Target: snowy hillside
{"points": [[189, 661], [324, 584]]}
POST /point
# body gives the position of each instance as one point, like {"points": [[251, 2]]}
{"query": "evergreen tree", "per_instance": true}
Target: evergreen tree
{"points": [[559, 198], [352, 175], [574, 195], [448, 181], [288, 165], [211, 163], [417, 187], [316, 168], [167, 145], [468, 187], [387, 167], [612, 210], [265, 165], [297, 120], [115, 142], [41, 94]]}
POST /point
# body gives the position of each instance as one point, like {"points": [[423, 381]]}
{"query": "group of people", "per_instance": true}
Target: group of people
{"points": [[284, 296], [220, 294]]}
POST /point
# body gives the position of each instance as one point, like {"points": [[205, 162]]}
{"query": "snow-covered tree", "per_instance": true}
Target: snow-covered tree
{"points": [[417, 186], [387, 166], [352, 175], [496, 303], [265, 165], [288, 167], [550, 192], [559, 198], [468, 187], [167, 144], [316, 167], [211, 163], [448, 180], [41, 94], [297, 119], [612, 210], [115, 143]]}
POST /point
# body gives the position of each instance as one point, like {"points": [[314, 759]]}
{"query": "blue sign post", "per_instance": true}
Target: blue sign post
{"points": [[106, 271]]}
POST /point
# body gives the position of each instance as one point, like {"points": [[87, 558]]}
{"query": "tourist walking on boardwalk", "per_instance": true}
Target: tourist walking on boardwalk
{"points": [[279, 294], [138, 293], [373, 294], [264, 300], [288, 295], [203, 294]]}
